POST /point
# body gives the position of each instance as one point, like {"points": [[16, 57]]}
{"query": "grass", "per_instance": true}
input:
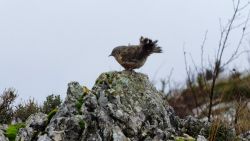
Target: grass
{"points": [[243, 124], [228, 88], [12, 131], [221, 131]]}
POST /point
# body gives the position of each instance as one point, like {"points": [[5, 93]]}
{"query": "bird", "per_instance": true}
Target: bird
{"points": [[134, 56]]}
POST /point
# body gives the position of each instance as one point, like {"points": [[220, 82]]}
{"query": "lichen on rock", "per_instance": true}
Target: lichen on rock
{"points": [[129, 102]]}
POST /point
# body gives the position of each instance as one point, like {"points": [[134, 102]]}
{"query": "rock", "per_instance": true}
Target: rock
{"points": [[201, 138], [195, 127], [129, 102], [3, 127], [37, 121], [25, 134], [118, 135], [245, 136], [2, 137], [44, 138], [35, 124], [66, 123]]}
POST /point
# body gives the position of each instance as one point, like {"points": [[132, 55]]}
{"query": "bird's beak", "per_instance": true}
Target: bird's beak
{"points": [[110, 55]]}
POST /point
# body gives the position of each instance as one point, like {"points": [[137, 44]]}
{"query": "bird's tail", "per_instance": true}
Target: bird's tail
{"points": [[148, 46]]}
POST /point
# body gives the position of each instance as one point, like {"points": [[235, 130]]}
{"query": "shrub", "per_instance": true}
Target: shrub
{"points": [[52, 102], [24, 110], [6, 109]]}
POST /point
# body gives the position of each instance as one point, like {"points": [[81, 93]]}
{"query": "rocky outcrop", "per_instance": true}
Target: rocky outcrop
{"points": [[122, 106], [126, 106]]}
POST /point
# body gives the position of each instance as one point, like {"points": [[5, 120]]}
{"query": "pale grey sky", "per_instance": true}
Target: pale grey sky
{"points": [[44, 44]]}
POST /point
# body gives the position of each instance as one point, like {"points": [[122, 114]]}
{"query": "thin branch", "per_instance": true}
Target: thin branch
{"points": [[222, 31], [243, 7], [190, 84], [202, 59], [235, 53], [202, 50], [165, 83], [158, 69], [228, 31], [195, 66], [233, 5]]}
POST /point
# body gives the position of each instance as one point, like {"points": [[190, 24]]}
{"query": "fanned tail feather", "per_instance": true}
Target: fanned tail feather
{"points": [[157, 50], [148, 47]]}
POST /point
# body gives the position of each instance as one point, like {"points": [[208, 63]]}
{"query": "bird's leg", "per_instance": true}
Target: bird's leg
{"points": [[129, 70]]}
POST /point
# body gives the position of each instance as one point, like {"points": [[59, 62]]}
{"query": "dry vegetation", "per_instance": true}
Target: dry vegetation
{"points": [[19, 113], [208, 96]]}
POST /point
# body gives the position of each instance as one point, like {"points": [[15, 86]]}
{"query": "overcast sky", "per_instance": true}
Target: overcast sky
{"points": [[44, 44]]}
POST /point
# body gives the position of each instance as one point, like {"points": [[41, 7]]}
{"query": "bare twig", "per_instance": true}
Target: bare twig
{"points": [[202, 59], [157, 71], [235, 53], [166, 81], [189, 81]]}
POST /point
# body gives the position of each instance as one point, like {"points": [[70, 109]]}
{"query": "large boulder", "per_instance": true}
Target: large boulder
{"points": [[126, 106], [122, 106]]}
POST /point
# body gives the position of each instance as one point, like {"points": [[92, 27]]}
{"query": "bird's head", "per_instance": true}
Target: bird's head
{"points": [[115, 52]]}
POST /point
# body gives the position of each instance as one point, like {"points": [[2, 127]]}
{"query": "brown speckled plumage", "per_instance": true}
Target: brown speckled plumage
{"points": [[134, 56]]}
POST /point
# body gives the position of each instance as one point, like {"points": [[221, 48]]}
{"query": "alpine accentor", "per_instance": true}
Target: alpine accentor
{"points": [[134, 56]]}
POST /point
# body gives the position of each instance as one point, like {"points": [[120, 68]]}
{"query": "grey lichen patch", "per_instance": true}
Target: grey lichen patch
{"points": [[125, 80]]}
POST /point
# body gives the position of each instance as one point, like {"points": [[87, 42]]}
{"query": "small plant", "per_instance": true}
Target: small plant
{"points": [[12, 131], [51, 114], [79, 103], [82, 124]]}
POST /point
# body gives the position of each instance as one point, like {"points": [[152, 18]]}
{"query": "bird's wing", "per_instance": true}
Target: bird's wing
{"points": [[129, 54]]}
